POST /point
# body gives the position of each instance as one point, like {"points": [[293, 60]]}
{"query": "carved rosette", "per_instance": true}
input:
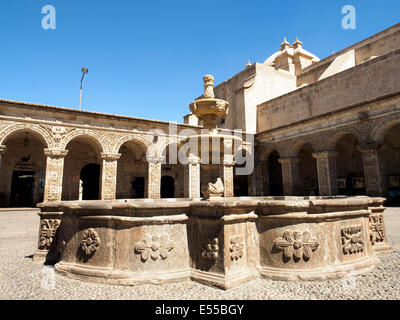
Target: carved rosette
{"points": [[154, 247], [47, 232], [211, 251], [377, 229], [236, 247], [352, 240], [90, 241], [297, 245]]}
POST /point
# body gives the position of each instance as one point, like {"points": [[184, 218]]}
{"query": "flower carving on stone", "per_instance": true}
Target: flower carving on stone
{"points": [[211, 250], [352, 240], [377, 229], [154, 247], [90, 241], [297, 245], [236, 247], [47, 233]]}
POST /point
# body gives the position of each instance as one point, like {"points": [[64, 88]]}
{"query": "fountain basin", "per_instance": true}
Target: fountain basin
{"points": [[220, 242]]}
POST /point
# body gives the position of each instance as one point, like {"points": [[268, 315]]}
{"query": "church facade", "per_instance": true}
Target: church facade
{"points": [[311, 127]]}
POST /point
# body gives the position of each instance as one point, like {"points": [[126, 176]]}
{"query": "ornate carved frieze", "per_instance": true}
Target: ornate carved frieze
{"points": [[154, 247], [352, 240], [297, 245], [90, 241], [47, 232], [377, 229], [236, 247]]}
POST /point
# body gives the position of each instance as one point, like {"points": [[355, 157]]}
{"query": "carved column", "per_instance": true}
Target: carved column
{"points": [[327, 176], [153, 189], [290, 175], [2, 150], [192, 177], [227, 168], [373, 170], [109, 175], [54, 174]]}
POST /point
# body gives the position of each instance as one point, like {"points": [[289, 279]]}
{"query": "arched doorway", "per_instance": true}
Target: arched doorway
{"points": [[82, 161], [132, 171], [173, 168], [90, 176], [349, 166], [22, 169], [390, 157], [167, 187], [275, 174], [308, 172]]}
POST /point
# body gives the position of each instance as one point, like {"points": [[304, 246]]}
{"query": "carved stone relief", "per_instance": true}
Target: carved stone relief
{"points": [[154, 247], [352, 240], [296, 245]]}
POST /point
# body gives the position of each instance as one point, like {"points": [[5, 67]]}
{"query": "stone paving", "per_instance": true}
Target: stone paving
{"points": [[21, 278]]}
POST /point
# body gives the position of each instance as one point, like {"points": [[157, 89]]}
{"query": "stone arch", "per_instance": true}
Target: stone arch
{"points": [[295, 147], [264, 154], [132, 137], [162, 147], [84, 133], [39, 131], [383, 126], [332, 141]]}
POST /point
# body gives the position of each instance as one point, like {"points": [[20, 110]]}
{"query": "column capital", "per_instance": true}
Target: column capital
{"points": [[228, 142], [154, 159], [370, 147], [2, 149], [110, 156], [55, 153], [289, 160], [324, 154], [228, 163], [192, 159]]}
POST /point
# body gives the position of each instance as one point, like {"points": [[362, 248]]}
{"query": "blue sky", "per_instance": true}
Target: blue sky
{"points": [[147, 58]]}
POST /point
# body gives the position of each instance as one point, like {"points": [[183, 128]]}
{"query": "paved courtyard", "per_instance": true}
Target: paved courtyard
{"points": [[21, 278]]}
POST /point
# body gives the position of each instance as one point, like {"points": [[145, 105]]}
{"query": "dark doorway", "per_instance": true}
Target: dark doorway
{"points": [[90, 176], [275, 175], [137, 188], [241, 186], [167, 187], [22, 188]]}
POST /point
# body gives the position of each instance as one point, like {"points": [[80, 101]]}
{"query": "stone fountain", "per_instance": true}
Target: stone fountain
{"points": [[224, 242], [212, 144]]}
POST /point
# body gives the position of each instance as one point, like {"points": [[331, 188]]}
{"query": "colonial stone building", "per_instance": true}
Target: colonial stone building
{"points": [[320, 127]]}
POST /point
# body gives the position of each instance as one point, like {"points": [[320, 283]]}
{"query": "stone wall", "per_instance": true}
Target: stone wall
{"points": [[370, 80]]}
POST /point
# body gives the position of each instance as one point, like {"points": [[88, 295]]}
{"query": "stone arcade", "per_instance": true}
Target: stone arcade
{"points": [[319, 131]]}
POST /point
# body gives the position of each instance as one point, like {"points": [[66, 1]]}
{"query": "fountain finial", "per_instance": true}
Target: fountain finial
{"points": [[208, 86], [207, 108]]}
